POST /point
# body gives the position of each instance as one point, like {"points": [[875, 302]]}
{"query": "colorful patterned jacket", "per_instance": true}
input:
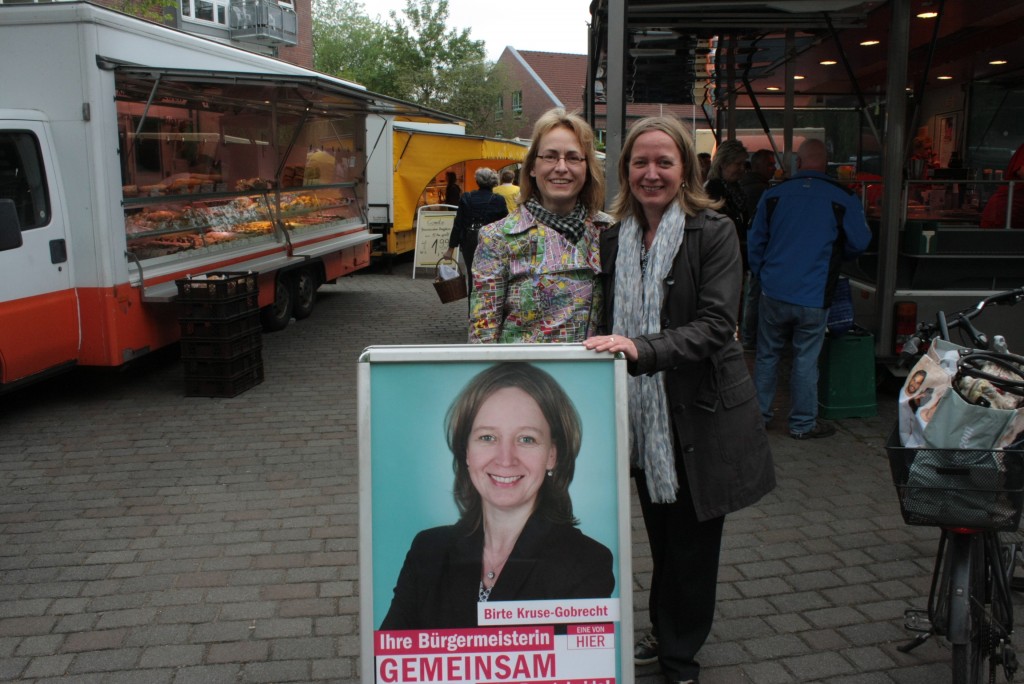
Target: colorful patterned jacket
{"points": [[531, 285]]}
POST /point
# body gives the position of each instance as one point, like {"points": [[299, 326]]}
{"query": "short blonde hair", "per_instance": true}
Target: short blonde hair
{"points": [[691, 195], [592, 194]]}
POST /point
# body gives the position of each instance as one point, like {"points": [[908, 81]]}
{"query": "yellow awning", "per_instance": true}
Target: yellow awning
{"points": [[419, 157]]}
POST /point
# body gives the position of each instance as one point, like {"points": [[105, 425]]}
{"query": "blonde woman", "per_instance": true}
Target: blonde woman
{"points": [[673, 276], [535, 274]]}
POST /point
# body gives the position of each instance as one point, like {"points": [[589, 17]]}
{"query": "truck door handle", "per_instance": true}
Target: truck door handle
{"points": [[58, 251]]}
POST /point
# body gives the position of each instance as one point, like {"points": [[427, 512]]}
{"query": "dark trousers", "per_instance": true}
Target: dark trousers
{"points": [[467, 258], [685, 552]]}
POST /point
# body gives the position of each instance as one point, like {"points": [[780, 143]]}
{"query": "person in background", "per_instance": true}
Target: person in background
{"points": [[754, 182], [535, 274], [723, 183], [452, 191], [476, 209], [757, 178], [704, 159], [994, 213], [508, 189], [672, 272], [514, 435], [803, 230]]}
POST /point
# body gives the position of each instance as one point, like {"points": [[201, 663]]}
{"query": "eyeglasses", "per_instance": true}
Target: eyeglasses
{"points": [[571, 159]]}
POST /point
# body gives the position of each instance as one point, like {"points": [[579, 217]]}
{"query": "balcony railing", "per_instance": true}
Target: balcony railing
{"points": [[263, 21]]}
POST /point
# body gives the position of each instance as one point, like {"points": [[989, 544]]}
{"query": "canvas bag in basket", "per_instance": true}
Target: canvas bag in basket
{"points": [[961, 487]]}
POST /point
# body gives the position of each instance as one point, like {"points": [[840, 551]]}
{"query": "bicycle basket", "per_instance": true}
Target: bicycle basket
{"points": [[977, 488]]}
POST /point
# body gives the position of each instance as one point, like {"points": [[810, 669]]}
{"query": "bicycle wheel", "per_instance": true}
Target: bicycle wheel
{"points": [[967, 600]]}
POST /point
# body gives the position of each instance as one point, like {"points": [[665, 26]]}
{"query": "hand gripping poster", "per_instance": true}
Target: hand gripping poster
{"points": [[494, 516]]}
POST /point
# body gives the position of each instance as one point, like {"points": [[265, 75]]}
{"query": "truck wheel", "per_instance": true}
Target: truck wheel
{"points": [[304, 287], [276, 316]]}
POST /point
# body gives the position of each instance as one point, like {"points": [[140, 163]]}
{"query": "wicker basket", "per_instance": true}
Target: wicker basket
{"points": [[450, 290]]}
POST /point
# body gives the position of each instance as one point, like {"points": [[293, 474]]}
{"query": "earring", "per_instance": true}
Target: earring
{"points": [[683, 186], [551, 473]]}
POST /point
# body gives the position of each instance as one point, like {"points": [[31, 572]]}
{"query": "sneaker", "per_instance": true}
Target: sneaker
{"points": [[819, 430], [645, 651]]}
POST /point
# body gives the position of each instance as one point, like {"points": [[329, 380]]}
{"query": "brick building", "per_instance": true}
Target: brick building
{"points": [[277, 28], [539, 81]]}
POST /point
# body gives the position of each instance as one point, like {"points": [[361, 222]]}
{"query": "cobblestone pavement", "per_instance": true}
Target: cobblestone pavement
{"points": [[148, 537]]}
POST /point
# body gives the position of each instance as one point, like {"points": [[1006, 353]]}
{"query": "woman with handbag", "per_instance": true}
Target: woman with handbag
{"points": [[476, 209], [673, 275]]}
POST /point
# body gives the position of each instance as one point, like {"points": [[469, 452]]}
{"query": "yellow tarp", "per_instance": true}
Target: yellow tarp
{"points": [[419, 157]]}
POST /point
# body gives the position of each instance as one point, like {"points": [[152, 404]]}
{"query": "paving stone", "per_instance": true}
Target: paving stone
{"points": [[216, 540]]}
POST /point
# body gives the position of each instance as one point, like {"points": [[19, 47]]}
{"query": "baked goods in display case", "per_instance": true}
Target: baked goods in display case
{"points": [[156, 229]]}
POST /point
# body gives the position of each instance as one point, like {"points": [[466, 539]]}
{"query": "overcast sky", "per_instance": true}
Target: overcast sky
{"points": [[544, 25]]}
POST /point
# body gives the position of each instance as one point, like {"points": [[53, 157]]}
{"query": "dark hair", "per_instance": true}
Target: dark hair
{"points": [[691, 195], [507, 176], [553, 500], [592, 193]]}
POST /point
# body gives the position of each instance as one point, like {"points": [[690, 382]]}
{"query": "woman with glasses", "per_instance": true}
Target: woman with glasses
{"points": [[535, 274]]}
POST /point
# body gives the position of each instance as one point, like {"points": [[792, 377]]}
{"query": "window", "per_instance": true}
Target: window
{"points": [[499, 107], [22, 178], [517, 102], [214, 11]]}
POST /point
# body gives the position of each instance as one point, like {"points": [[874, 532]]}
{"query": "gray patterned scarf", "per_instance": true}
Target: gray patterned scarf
{"points": [[572, 225], [638, 300]]}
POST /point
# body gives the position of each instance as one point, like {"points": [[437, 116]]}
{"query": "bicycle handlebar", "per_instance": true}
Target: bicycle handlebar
{"points": [[926, 332]]}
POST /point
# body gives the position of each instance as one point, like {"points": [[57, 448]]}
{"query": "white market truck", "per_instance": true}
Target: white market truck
{"points": [[133, 155]]}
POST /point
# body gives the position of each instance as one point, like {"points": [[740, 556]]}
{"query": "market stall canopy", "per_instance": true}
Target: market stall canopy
{"points": [[419, 156], [672, 50], [242, 92]]}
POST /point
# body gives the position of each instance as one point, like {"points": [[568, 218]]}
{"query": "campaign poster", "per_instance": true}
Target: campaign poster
{"points": [[494, 515]]}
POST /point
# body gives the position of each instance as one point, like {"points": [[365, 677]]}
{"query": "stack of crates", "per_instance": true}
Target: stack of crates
{"points": [[220, 333]]}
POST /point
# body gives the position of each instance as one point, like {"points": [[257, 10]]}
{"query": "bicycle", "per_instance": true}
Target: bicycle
{"points": [[971, 495]]}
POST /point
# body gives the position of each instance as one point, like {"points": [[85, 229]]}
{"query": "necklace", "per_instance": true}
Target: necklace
{"points": [[496, 567]]}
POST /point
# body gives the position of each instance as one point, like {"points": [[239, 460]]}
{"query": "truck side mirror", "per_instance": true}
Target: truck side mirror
{"points": [[10, 227]]}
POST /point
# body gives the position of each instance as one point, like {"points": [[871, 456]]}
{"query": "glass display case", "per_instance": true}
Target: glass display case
{"points": [[159, 226], [202, 174]]}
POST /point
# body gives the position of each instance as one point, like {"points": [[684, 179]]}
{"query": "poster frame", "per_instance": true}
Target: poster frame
{"points": [[461, 361]]}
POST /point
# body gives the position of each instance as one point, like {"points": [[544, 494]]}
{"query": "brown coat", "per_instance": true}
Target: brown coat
{"points": [[714, 408]]}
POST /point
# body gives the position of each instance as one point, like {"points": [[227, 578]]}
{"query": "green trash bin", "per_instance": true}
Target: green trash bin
{"points": [[846, 376]]}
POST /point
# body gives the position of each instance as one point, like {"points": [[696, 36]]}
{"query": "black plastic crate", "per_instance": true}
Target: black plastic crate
{"points": [[217, 308], [216, 329], [224, 387], [221, 369], [224, 350], [217, 285]]}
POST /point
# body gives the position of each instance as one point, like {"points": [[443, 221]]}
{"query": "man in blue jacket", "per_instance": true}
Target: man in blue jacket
{"points": [[803, 230]]}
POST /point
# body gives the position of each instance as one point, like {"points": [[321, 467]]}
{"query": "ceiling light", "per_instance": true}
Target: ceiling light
{"points": [[772, 88], [869, 43], [798, 77], [927, 15], [827, 62], [997, 62], [945, 78]]}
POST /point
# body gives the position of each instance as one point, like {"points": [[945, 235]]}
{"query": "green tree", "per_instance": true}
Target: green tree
{"points": [[155, 10], [413, 57], [348, 44]]}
